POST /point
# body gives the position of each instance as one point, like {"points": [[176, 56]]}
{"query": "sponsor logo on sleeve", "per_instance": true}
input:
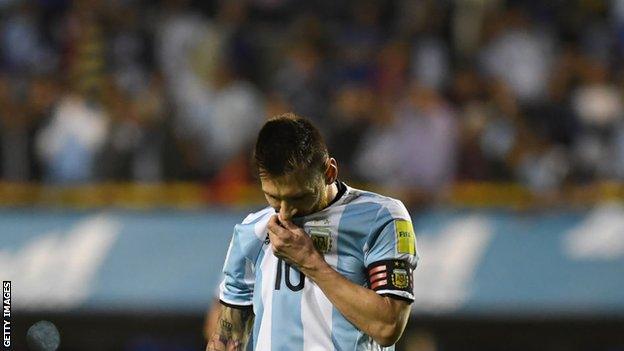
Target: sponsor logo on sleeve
{"points": [[405, 237]]}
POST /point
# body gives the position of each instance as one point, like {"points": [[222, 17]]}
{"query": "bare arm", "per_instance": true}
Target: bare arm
{"points": [[232, 330], [211, 319], [383, 318]]}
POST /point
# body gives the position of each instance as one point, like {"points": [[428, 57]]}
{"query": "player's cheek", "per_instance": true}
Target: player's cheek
{"points": [[272, 203], [313, 202]]}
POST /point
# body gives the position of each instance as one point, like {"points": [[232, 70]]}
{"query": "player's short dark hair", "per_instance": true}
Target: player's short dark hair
{"points": [[288, 143]]}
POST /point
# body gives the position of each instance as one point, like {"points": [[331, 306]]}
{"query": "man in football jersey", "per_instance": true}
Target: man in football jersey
{"points": [[325, 266]]}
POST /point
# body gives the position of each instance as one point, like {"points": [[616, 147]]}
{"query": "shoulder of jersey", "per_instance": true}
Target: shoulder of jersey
{"points": [[395, 207], [253, 217]]}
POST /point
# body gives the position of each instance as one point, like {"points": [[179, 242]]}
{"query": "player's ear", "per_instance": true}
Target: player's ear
{"points": [[331, 172]]}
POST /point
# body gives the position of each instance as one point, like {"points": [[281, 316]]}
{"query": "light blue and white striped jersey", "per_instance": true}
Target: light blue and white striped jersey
{"points": [[361, 234]]}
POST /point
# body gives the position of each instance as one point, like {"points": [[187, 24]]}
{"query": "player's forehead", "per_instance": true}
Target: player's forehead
{"points": [[288, 185]]}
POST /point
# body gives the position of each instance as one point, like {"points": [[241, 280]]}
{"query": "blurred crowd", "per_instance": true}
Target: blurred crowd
{"points": [[409, 93]]}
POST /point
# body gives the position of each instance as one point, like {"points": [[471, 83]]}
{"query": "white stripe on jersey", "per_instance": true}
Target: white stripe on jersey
{"points": [[316, 309], [268, 267], [260, 226]]}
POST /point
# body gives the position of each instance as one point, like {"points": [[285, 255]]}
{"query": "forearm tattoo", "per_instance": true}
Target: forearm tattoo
{"points": [[233, 329]]}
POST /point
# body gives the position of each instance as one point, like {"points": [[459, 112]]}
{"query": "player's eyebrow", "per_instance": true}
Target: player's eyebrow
{"points": [[289, 197]]}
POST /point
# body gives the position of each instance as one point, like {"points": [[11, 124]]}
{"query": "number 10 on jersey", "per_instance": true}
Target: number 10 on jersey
{"points": [[284, 270]]}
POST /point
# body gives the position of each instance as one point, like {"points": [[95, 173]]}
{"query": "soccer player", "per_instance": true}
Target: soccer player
{"points": [[325, 266]]}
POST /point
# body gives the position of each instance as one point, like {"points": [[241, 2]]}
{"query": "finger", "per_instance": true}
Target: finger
{"points": [[215, 345], [272, 236], [277, 245], [274, 224], [276, 228], [288, 224], [275, 240], [275, 232], [274, 219], [235, 345]]}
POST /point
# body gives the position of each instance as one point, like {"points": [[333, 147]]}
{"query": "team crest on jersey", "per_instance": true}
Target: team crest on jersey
{"points": [[400, 278], [322, 239]]}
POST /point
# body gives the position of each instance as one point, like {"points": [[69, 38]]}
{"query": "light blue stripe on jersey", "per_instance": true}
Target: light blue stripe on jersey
{"points": [[237, 270], [287, 326], [385, 252], [388, 249], [353, 234], [258, 305], [236, 290]]}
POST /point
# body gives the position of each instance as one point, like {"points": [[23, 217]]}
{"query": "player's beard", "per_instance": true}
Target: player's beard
{"points": [[323, 199]]}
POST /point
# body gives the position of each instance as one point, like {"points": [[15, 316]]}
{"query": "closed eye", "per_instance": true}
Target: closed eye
{"points": [[300, 197], [289, 198]]}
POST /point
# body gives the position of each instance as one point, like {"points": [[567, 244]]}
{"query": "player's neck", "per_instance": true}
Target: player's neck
{"points": [[331, 193]]}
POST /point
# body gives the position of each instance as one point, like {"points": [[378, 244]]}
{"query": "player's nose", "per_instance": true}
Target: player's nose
{"points": [[286, 211]]}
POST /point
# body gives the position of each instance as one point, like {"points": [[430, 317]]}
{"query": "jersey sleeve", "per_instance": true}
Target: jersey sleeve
{"points": [[392, 253], [237, 286]]}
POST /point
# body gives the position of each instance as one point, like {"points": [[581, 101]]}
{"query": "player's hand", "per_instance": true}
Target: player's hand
{"points": [[220, 344], [291, 243]]}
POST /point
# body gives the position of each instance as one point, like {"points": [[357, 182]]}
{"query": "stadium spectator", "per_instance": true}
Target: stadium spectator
{"points": [[352, 110], [597, 103], [520, 54], [24, 49], [13, 135], [70, 143], [135, 143], [215, 108], [414, 146], [302, 81]]}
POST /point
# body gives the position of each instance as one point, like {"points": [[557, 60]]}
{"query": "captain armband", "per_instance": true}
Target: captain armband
{"points": [[390, 275]]}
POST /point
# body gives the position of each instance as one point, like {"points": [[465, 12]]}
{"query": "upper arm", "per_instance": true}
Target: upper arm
{"points": [[239, 268], [392, 254], [238, 277]]}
